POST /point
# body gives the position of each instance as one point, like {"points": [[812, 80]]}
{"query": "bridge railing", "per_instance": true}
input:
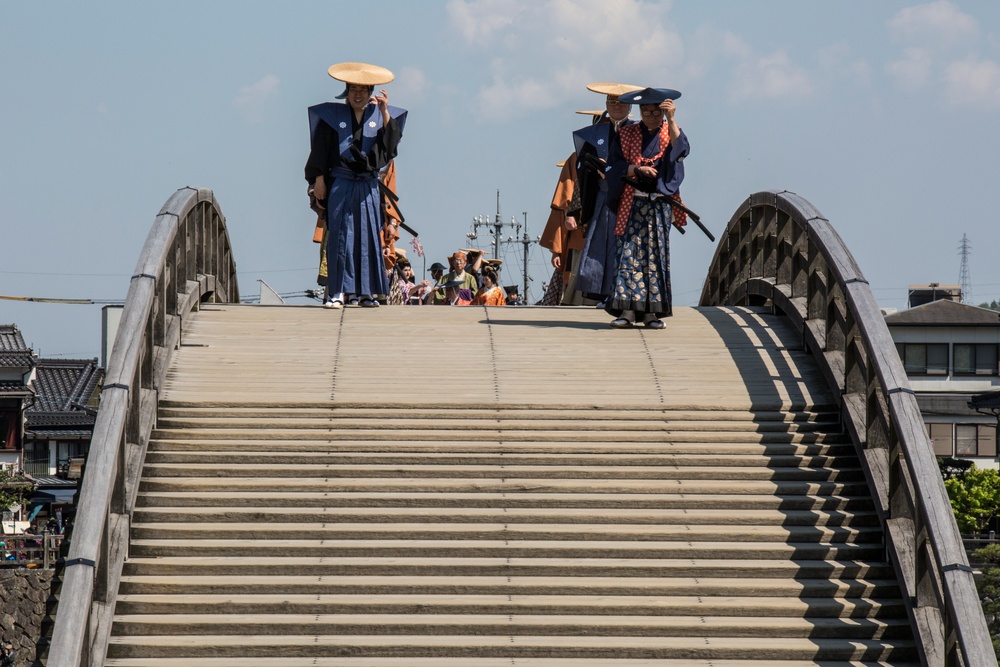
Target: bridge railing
{"points": [[779, 250], [186, 260]]}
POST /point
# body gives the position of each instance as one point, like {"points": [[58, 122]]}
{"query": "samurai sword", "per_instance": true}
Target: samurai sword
{"points": [[676, 204], [394, 198]]}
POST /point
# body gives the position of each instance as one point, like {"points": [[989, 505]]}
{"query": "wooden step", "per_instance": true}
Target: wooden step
{"points": [[523, 499], [485, 662], [500, 566], [515, 549], [508, 515], [486, 624], [604, 605], [509, 646]]}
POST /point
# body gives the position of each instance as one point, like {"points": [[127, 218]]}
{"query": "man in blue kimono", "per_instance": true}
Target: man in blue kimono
{"points": [[350, 144], [598, 260]]}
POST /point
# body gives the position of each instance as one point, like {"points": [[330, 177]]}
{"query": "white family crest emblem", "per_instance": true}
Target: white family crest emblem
{"points": [[343, 125]]}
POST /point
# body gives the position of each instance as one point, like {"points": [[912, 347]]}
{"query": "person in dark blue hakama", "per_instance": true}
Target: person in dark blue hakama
{"points": [[646, 170], [599, 258], [350, 144]]}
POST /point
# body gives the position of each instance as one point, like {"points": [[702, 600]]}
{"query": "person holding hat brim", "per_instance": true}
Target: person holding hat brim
{"points": [[350, 144], [598, 258], [646, 168]]}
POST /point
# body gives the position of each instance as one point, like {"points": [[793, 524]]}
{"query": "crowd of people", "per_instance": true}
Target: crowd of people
{"points": [[608, 230]]}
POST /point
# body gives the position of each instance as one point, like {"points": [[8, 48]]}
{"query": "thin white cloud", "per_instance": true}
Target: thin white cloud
{"points": [[409, 86], [973, 82], [838, 61], [253, 99], [478, 20], [912, 71], [551, 48], [764, 77], [772, 76], [945, 51], [934, 24]]}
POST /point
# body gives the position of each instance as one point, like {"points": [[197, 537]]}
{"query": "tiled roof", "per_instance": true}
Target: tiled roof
{"points": [[65, 384], [35, 435], [16, 359], [56, 419], [69, 425], [944, 313], [8, 388], [13, 351], [11, 339], [49, 481]]}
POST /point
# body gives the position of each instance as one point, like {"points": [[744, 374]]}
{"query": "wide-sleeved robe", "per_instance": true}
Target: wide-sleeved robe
{"points": [[350, 156], [555, 237], [598, 258], [642, 279]]}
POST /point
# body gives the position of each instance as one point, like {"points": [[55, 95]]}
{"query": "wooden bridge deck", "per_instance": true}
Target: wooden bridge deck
{"points": [[731, 358]]}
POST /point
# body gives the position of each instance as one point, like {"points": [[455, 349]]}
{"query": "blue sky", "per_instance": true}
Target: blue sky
{"points": [[882, 114]]}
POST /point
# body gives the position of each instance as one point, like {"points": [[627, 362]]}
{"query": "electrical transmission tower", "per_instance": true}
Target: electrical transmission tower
{"points": [[964, 250]]}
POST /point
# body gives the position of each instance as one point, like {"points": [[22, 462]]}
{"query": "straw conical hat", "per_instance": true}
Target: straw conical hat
{"points": [[561, 164], [609, 88], [593, 112], [361, 74]]}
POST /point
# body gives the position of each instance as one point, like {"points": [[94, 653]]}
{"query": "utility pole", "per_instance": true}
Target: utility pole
{"points": [[965, 250], [496, 226], [526, 242]]}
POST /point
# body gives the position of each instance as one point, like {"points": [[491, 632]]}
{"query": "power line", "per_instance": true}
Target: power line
{"points": [[74, 302]]}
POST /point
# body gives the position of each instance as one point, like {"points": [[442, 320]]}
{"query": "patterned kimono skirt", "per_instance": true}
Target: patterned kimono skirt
{"points": [[642, 281]]}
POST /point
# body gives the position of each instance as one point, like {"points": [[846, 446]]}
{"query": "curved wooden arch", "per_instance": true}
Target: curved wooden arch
{"points": [[779, 250], [187, 260]]}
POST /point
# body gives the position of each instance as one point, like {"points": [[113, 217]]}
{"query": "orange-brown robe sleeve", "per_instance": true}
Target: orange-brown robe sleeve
{"points": [[390, 231], [555, 236]]}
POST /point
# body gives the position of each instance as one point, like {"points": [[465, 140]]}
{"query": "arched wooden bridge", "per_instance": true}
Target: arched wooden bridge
{"points": [[752, 486]]}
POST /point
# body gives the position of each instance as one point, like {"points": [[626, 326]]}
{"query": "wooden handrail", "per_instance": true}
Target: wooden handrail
{"points": [[778, 250], [187, 260]]}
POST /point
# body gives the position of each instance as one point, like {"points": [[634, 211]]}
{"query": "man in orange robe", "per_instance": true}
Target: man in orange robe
{"points": [[563, 235]]}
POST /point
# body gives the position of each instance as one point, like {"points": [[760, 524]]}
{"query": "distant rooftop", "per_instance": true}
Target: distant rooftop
{"points": [[13, 351], [65, 399], [62, 384], [944, 313], [921, 294]]}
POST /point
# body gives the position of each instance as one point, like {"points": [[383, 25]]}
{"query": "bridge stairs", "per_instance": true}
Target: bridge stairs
{"points": [[485, 487]]}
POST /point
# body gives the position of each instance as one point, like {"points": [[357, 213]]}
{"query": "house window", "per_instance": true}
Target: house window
{"points": [[70, 450], [36, 458], [942, 439], [924, 358], [975, 359], [963, 440]]}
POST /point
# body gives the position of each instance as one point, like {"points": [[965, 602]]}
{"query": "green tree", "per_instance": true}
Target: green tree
{"points": [[975, 498], [988, 584], [12, 489]]}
